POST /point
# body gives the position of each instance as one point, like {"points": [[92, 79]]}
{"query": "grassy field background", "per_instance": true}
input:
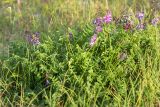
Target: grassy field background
{"points": [[78, 76], [51, 16]]}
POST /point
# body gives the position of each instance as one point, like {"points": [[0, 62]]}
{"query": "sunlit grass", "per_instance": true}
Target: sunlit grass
{"points": [[78, 74]]}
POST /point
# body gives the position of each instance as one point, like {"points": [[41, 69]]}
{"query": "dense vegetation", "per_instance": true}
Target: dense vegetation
{"points": [[81, 54]]}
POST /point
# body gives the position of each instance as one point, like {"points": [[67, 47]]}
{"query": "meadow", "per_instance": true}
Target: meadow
{"points": [[79, 53]]}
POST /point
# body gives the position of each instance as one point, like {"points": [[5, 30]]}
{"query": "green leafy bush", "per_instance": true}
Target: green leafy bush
{"points": [[121, 68]]}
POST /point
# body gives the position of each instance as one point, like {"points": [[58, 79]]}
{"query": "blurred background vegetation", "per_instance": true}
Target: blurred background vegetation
{"points": [[50, 16]]}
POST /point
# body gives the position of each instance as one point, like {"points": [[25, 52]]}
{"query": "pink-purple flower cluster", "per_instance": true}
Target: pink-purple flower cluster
{"points": [[99, 23], [127, 22], [140, 15], [93, 40], [108, 17], [141, 25], [99, 29], [127, 26], [155, 21], [34, 38]]}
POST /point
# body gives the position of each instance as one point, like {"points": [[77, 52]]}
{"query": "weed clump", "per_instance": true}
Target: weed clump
{"points": [[110, 62]]}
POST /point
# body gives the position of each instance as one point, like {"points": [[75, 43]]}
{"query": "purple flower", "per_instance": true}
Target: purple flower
{"points": [[140, 15], [35, 41], [98, 21], [108, 17], [33, 38], [93, 40], [140, 26], [127, 26], [37, 34], [98, 29], [155, 21]]}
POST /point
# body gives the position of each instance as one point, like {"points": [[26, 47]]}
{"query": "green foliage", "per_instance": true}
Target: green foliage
{"points": [[81, 75], [121, 69]]}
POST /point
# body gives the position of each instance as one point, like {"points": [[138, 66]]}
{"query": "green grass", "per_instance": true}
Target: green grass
{"points": [[79, 75]]}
